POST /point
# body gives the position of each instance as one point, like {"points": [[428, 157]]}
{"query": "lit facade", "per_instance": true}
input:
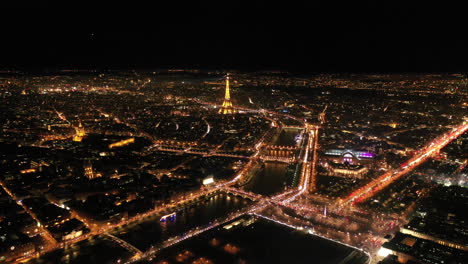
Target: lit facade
{"points": [[349, 171], [89, 171], [433, 238], [122, 143], [80, 133], [348, 153]]}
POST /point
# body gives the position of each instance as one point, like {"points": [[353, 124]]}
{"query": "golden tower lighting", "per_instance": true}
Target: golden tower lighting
{"points": [[227, 108]]}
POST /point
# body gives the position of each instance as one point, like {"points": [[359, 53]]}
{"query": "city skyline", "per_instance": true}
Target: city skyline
{"points": [[233, 133], [190, 165]]}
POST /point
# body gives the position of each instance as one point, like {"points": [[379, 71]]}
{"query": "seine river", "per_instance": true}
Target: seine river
{"points": [[273, 177], [270, 179], [145, 233], [288, 137], [262, 241]]}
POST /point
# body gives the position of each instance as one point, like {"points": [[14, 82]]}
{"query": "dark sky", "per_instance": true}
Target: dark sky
{"points": [[320, 36]]}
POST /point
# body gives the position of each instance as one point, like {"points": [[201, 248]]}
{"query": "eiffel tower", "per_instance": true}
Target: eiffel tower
{"points": [[227, 104]]}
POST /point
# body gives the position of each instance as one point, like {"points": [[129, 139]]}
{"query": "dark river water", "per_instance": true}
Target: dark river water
{"points": [[151, 231], [144, 233], [287, 137], [260, 242], [270, 179]]}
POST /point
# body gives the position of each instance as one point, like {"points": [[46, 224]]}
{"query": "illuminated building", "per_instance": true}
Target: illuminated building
{"points": [[122, 143], [433, 238], [208, 180], [68, 229], [89, 171], [80, 133], [280, 153], [348, 162], [25, 171], [348, 170], [347, 153], [444, 229], [412, 249], [170, 217], [227, 104], [393, 125]]}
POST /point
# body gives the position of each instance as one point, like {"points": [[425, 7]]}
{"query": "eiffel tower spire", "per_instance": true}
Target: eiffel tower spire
{"points": [[227, 104]]}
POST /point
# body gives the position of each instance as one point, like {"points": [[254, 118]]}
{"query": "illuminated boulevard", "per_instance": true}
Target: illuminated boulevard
{"points": [[383, 181]]}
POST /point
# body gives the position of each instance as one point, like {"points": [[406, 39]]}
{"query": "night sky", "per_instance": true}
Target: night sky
{"points": [[323, 36]]}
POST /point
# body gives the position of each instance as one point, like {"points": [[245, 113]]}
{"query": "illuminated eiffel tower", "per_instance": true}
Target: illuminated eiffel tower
{"points": [[227, 104]]}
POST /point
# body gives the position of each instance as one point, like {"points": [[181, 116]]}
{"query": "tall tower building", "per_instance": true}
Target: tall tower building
{"points": [[227, 104], [88, 170]]}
